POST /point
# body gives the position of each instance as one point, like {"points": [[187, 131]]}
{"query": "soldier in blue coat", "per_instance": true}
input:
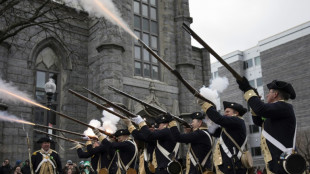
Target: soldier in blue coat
{"points": [[46, 160], [166, 148], [146, 156], [101, 156], [226, 156], [200, 144], [277, 119], [126, 150]]}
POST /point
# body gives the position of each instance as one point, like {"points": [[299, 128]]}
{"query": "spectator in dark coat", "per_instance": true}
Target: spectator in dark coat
{"points": [[26, 168], [6, 168]]}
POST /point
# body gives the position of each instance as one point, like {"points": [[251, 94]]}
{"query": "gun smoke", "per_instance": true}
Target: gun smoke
{"points": [[109, 122]]}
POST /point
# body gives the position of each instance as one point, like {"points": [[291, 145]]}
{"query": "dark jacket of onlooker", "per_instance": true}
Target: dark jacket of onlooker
{"points": [[6, 169]]}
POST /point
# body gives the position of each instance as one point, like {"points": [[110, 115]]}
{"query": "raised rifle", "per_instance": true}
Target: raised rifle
{"points": [[130, 114], [67, 139], [206, 46], [99, 105], [66, 131], [150, 106], [176, 73], [80, 122]]}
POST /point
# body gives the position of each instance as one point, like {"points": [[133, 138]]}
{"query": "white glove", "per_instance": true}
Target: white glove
{"points": [[77, 146], [137, 119], [86, 138]]}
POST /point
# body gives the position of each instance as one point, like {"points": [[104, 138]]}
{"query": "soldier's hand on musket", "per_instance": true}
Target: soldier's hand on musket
{"points": [[86, 138], [244, 85], [98, 134], [77, 146], [137, 119], [187, 129]]}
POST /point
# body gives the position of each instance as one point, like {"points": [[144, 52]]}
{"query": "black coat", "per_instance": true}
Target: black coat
{"points": [[235, 127], [106, 153], [6, 169], [200, 143], [26, 169], [149, 145], [280, 123], [165, 139], [126, 150]]}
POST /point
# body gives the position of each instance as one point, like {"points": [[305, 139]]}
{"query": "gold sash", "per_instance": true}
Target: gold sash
{"points": [[266, 152], [47, 167], [141, 164]]}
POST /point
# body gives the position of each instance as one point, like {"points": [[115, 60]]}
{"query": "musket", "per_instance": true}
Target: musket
{"points": [[176, 73], [206, 46], [80, 122], [98, 105], [150, 106], [67, 139], [29, 151], [130, 114], [62, 130]]}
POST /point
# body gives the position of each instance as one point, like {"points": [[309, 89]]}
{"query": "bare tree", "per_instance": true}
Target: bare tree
{"points": [[303, 143]]}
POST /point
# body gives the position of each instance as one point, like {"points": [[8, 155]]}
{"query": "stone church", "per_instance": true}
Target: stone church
{"points": [[94, 53]]}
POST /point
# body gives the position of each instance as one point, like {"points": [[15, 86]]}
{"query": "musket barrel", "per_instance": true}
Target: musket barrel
{"points": [[82, 123], [67, 139], [148, 105], [176, 73], [97, 104], [206, 46], [61, 130]]}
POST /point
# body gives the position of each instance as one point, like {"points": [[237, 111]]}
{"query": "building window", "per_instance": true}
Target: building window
{"points": [[256, 151], [253, 129], [252, 83], [215, 74], [146, 28], [259, 82], [248, 64], [47, 66], [257, 61]]}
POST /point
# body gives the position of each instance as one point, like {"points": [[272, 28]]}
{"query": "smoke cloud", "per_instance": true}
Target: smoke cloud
{"points": [[5, 116], [218, 85], [102, 8], [109, 122], [9, 87]]}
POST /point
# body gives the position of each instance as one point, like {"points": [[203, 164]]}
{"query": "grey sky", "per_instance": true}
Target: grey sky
{"points": [[230, 25]]}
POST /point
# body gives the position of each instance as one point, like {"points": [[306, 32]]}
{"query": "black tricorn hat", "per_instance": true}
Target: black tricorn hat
{"points": [[283, 86], [198, 115], [163, 118], [235, 106], [45, 139], [121, 132]]}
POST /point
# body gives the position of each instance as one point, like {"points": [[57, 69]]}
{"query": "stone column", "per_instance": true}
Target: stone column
{"points": [[184, 62]]}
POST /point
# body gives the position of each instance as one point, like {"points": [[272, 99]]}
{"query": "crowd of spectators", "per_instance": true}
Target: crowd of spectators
{"points": [[21, 167]]}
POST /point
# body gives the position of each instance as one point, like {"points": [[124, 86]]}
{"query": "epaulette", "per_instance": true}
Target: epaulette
{"points": [[54, 151], [35, 153]]}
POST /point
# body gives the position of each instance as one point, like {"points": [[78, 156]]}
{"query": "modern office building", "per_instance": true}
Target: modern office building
{"points": [[284, 56]]}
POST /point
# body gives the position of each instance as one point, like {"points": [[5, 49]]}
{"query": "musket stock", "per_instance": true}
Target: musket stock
{"points": [[150, 106], [176, 73], [98, 105], [67, 139], [206, 46]]}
